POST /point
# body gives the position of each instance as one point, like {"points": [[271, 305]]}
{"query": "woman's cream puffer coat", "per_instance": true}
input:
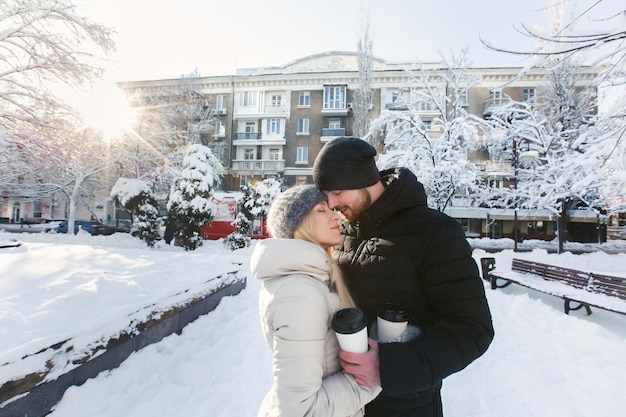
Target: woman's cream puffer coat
{"points": [[296, 308]]}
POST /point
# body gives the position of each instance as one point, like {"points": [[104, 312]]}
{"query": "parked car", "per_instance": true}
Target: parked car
{"points": [[93, 227], [119, 225]]}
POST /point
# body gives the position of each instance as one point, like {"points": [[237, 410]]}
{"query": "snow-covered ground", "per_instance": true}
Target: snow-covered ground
{"points": [[541, 363]]}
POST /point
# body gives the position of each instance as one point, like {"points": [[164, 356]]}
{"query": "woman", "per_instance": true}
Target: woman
{"points": [[301, 289]]}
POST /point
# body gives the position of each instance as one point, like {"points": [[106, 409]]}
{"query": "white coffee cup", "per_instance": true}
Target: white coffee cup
{"points": [[350, 326], [391, 321]]}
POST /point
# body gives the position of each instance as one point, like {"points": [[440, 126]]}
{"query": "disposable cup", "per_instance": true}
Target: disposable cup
{"points": [[350, 326], [391, 321]]}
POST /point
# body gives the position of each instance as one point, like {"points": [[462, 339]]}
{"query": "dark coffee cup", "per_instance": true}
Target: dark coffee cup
{"points": [[391, 321], [350, 326]]}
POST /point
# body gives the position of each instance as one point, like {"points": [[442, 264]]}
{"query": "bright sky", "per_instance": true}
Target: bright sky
{"points": [[159, 39], [164, 38]]}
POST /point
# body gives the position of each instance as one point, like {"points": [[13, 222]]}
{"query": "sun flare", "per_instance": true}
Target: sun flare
{"points": [[107, 110]]}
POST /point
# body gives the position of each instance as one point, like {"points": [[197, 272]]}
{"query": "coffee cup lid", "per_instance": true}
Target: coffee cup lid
{"points": [[349, 320], [392, 311]]}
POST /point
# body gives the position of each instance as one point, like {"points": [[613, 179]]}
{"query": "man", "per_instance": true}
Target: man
{"points": [[395, 248]]}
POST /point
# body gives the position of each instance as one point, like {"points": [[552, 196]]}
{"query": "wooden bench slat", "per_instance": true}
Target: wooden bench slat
{"points": [[616, 283], [609, 285]]}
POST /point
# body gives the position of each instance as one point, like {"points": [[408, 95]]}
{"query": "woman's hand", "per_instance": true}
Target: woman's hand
{"points": [[362, 366]]}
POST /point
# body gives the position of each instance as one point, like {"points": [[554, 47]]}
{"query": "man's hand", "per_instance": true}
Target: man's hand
{"points": [[362, 366]]}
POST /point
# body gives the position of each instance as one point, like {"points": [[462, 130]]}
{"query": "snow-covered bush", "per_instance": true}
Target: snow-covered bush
{"points": [[190, 198], [136, 197], [253, 203]]}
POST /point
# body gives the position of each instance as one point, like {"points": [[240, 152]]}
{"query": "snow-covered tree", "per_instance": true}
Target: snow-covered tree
{"points": [[607, 155], [435, 150], [136, 197], [253, 204], [44, 44], [363, 94], [190, 198], [257, 198], [563, 40], [175, 117], [548, 144], [601, 44], [573, 152], [81, 165], [240, 238]]}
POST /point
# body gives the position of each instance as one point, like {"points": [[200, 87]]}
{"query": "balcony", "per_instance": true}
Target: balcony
{"points": [[326, 111], [397, 106], [258, 166], [247, 136], [334, 132], [275, 110], [427, 108], [260, 111], [497, 169], [255, 138]]}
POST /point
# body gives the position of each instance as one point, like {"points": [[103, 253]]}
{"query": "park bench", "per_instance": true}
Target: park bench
{"points": [[578, 289]]}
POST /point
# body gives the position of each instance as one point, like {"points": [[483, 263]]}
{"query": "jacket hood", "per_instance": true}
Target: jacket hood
{"points": [[275, 258]]}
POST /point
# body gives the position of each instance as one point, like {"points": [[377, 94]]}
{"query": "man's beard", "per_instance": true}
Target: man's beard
{"points": [[359, 206]]}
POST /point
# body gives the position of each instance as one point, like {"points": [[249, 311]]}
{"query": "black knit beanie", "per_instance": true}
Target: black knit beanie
{"points": [[345, 164], [290, 207]]}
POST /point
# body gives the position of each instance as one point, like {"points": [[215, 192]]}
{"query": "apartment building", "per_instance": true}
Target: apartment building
{"points": [[273, 121]]}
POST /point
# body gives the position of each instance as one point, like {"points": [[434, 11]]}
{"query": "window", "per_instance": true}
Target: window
{"points": [[304, 100], [536, 227], [37, 209], [495, 94], [335, 97], [245, 179], [395, 97], [462, 99], [529, 94], [248, 154], [250, 127], [334, 124], [219, 102], [273, 126], [276, 100], [303, 126], [220, 128], [274, 154], [465, 223], [426, 105], [428, 124], [247, 98], [302, 155]]}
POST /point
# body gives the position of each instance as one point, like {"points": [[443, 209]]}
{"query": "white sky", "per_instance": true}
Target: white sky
{"points": [[159, 39], [165, 38]]}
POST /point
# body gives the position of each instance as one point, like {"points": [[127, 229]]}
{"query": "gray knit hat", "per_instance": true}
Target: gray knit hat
{"points": [[289, 209], [345, 164]]}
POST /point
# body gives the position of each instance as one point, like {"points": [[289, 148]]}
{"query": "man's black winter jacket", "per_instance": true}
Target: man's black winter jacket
{"points": [[401, 250]]}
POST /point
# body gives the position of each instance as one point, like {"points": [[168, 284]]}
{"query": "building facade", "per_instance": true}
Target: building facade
{"points": [[273, 121]]}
